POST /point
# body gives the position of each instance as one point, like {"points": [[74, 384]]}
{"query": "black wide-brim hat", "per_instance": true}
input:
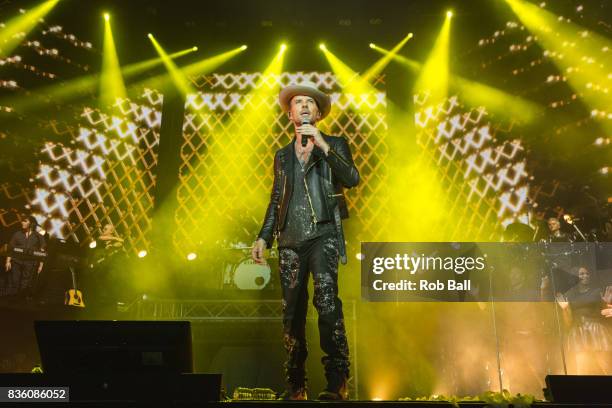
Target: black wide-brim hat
{"points": [[305, 88]]}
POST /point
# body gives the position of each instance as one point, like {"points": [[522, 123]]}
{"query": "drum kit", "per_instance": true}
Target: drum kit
{"points": [[241, 272]]}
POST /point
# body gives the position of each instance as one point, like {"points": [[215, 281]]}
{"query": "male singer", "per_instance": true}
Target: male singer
{"points": [[305, 211]]}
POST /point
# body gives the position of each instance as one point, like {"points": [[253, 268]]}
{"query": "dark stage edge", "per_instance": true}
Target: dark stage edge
{"points": [[293, 404]]}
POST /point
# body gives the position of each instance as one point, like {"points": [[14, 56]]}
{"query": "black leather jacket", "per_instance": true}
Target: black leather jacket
{"points": [[326, 177]]}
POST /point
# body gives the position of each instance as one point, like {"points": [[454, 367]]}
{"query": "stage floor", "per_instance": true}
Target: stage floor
{"points": [[305, 404]]}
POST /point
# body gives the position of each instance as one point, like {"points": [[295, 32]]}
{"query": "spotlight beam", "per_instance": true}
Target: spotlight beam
{"points": [[111, 80], [349, 79], [235, 161], [79, 87], [379, 65], [581, 55], [198, 68], [18, 28], [478, 94], [176, 75], [433, 78]]}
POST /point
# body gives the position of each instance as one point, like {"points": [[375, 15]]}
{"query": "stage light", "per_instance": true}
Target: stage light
{"points": [[360, 256], [600, 141], [111, 80], [191, 256], [283, 47], [197, 68], [604, 170], [78, 87], [177, 76], [142, 253], [322, 47], [106, 16], [363, 94], [477, 94], [433, 78], [211, 63], [150, 35], [449, 14], [581, 55], [17, 29], [376, 399], [258, 106], [93, 244], [381, 64], [195, 48]]}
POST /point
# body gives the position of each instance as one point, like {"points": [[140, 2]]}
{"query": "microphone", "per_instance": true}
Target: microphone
{"points": [[305, 121]]}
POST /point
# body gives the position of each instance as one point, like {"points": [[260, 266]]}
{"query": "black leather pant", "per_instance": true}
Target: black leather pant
{"points": [[23, 277], [319, 256]]}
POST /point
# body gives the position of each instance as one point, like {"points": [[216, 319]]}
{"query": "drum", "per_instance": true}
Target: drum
{"points": [[249, 275]]}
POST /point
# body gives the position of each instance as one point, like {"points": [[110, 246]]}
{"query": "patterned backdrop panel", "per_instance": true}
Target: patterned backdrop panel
{"points": [[105, 174], [486, 179], [232, 128]]}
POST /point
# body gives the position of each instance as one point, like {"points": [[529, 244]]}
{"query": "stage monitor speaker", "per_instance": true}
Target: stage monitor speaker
{"points": [[99, 346], [579, 389]]}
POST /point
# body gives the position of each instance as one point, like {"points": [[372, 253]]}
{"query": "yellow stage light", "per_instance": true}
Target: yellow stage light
{"points": [[82, 86], [351, 81], [176, 74], [322, 47], [449, 14], [106, 16], [191, 256], [283, 47], [477, 94], [16, 30], [197, 68], [379, 65], [195, 48], [142, 253], [111, 80], [433, 78], [581, 55], [235, 161]]}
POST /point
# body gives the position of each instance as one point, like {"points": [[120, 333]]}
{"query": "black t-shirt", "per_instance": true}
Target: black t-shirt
{"points": [[300, 225], [587, 304], [32, 242]]}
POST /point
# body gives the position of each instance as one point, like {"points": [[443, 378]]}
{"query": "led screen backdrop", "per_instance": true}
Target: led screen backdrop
{"points": [[105, 175], [486, 179]]}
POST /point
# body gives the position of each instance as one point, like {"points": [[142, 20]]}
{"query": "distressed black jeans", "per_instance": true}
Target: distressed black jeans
{"points": [[320, 257]]}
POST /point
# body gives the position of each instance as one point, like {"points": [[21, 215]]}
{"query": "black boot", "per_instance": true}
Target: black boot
{"points": [[296, 389], [294, 394], [336, 389]]}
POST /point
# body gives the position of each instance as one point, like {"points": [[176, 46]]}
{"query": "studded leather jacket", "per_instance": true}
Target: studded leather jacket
{"points": [[325, 177]]}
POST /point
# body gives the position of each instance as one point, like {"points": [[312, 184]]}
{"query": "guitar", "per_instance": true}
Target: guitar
{"points": [[74, 297]]}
